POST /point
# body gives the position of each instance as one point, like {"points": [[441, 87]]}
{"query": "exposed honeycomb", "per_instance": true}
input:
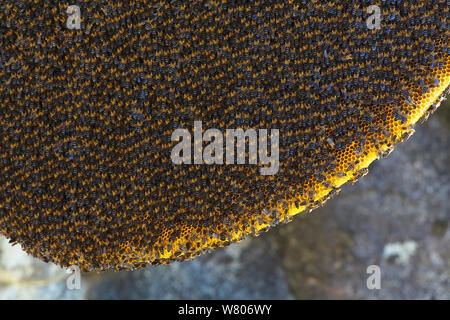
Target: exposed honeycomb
{"points": [[86, 116]]}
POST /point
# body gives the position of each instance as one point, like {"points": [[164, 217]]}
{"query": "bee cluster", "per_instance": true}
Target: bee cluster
{"points": [[86, 116]]}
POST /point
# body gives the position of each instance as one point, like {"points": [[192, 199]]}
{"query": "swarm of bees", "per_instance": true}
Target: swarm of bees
{"points": [[87, 115]]}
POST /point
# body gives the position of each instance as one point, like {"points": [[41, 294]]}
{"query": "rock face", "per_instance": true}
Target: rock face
{"points": [[396, 218], [248, 270], [24, 277]]}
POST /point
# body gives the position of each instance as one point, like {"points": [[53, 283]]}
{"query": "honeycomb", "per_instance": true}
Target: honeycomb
{"points": [[86, 116]]}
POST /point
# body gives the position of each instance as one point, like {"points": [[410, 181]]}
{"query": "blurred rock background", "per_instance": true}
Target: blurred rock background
{"points": [[396, 217]]}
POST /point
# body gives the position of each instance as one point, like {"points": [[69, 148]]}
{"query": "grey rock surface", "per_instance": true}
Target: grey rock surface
{"points": [[397, 217], [248, 270]]}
